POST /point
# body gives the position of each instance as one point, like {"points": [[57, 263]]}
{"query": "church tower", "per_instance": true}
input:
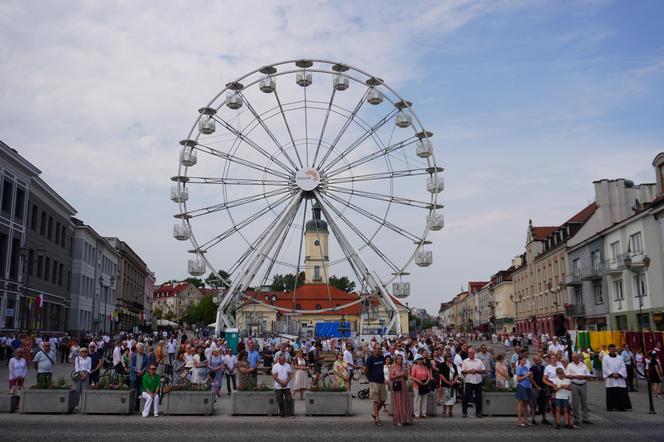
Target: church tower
{"points": [[316, 259]]}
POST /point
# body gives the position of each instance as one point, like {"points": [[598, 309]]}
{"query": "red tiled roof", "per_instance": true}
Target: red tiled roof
{"points": [[541, 233], [584, 215], [166, 290], [315, 297], [474, 286]]}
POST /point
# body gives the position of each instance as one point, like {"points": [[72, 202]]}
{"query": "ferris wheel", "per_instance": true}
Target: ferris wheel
{"points": [[314, 167]]}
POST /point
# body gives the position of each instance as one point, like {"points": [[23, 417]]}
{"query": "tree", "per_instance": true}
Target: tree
{"points": [[203, 312], [169, 315], [198, 282], [343, 283], [284, 282], [217, 280], [157, 313]]}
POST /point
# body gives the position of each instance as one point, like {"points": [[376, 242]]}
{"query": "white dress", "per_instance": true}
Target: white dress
{"points": [[300, 377]]}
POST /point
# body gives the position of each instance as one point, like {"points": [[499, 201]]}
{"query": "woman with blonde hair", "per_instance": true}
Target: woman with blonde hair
{"points": [[341, 373]]}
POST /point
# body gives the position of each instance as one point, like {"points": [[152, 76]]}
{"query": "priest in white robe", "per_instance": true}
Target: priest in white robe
{"points": [[615, 380]]}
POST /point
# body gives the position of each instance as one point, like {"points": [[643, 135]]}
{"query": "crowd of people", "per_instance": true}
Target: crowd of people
{"points": [[546, 375]]}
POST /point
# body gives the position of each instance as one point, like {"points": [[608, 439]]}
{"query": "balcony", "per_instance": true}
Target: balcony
{"points": [[574, 279], [596, 272], [615, 265], [575, 310]]}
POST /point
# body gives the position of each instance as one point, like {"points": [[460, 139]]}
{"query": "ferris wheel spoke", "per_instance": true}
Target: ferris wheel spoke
{"points": [[382, 197], [299, 251], [290, 133], [234, 203], [235, 181], [241, 161], [368, 133], [242, 136], [322, 131], [381, 221], [364, 238], [242, 224], [346, 125], [381, 175], [269, 132], [378, 154], [275, 256]]}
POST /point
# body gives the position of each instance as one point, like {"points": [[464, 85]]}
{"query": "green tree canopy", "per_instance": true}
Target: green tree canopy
{"points": [[344, 283], [216, 280], [203, 312]]}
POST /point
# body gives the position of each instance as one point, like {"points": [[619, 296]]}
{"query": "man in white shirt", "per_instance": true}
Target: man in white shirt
{"points": [[229, 369], [348, 357], [556, 347], [171, 349], [473, 370], [117, 357], [578, 373], [43, 361], [282, 375]]}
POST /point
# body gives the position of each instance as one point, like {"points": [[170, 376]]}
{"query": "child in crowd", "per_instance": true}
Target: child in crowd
{"points": [[563, 392]]}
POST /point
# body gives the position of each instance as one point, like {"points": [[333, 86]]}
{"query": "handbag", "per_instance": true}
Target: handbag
{"points": [[75, 375], [423, 389], [396, 385]]}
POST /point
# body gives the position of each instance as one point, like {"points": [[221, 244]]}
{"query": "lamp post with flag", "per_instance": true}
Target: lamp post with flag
{"points": [[27, 262]]}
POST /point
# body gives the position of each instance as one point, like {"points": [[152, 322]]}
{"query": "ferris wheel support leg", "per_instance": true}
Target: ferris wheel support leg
{"points": [[255, 262], [372, 281]]}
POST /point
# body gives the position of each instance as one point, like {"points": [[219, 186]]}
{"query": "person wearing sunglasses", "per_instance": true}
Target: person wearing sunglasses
{"points": [[151, 391]]}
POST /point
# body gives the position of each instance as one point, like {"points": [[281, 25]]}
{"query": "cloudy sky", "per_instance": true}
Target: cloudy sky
{"points": [[530, 101]]}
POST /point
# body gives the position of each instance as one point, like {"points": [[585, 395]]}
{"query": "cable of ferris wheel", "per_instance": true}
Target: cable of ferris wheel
{"points": [[234, 203], [377, 154], [242, 136], [349, 120], [372, 130], [232, 158], [362, 236], [376, 219], [269, 132], [381, 197], [290, 133]]}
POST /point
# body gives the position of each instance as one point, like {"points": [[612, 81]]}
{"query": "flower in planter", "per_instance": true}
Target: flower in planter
{"points": [[252, 386], [60, 384], [111, 382]]}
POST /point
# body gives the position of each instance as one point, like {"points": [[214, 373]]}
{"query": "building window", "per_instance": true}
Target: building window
{"points": [[577, 266], [596, 259], [42, 225], [50, 228], [20, 203], [641, 285], [33, 218], [7, 195], [57, 233], [636, 243], [599, 295], [621, 322], [615, 250], [618, 290], [316, 273]]}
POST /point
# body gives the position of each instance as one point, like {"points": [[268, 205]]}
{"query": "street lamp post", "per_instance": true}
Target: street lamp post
{"points": [[110, 286], [25, 256], [646, 263]]}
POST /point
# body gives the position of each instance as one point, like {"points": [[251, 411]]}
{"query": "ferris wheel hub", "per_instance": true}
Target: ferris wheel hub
{"points": [[307, 179]]}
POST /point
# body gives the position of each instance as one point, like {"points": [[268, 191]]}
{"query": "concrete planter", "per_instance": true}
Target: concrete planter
{"points": [[48, 401], [8, 403], [498, 403], [108, 401], [432, 408], [259, 403], [199, 403], [328, 403]]}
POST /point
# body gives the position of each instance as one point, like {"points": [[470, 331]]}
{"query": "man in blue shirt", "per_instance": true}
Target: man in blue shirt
{"points": [[373, 369], [253, 359], [628, 358]]}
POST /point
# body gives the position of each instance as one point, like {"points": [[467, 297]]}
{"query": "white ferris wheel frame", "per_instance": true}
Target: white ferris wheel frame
{"points": [[253, 260]]}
